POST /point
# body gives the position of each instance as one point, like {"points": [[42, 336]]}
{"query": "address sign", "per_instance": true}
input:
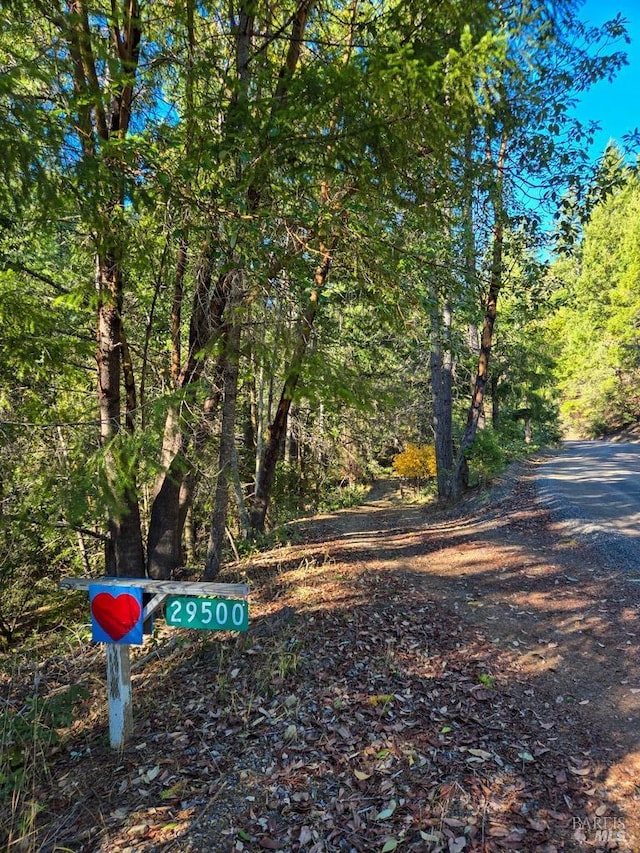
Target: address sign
{"points": [[209, 614]]}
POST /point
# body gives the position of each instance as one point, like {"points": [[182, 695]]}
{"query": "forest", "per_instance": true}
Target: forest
{"points": [[251, 251]]}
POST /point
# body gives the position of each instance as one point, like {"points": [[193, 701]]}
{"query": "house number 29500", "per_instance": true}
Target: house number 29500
{"points": [[209, 614]]}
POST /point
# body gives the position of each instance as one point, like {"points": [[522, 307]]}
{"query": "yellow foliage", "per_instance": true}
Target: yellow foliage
{"points": [[416, 463], [381, 699]]}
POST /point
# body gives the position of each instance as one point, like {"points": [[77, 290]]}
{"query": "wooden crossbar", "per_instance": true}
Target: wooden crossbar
{"points": [[222, 590]]}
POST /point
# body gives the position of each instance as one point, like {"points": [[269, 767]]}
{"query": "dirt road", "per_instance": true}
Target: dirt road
{"points": [[566, 614], [412, 680]]}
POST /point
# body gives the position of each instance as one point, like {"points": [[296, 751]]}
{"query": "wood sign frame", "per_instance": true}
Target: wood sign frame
{"points": [[119, 694]]}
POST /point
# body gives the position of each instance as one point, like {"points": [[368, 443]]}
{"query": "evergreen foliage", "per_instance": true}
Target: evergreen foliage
{"points": [[597, 324]]}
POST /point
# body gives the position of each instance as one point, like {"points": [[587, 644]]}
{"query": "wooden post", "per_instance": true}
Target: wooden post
{"points": [[119, 694]]}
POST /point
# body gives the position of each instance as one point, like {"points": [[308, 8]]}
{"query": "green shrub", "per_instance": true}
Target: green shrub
{"points": [[487, 457], [342, 497]]}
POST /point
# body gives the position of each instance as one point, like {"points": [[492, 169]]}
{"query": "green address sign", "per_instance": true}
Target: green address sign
{"points": [[208, 614]]}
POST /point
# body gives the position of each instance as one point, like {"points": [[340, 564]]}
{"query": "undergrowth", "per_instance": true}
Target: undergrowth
{"points": [[30, 732]]}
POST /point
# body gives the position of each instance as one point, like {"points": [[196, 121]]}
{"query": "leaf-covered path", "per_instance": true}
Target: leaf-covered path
{"points": [[411, 682]]}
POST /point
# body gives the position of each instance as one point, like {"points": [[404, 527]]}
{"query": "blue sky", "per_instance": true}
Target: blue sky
{"points": [[616, 105]]}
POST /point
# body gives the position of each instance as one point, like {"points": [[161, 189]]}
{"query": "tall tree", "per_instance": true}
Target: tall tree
{"points": [[519, 151], [596, 323]]}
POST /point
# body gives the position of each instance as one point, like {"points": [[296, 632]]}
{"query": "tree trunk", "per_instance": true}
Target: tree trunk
{"points": [[124, 556], [168, 511], [227, 448], [486, 339], [164, 541], [103, 117], [277, 430], [291, 441], [441, 394], [241, 504]]}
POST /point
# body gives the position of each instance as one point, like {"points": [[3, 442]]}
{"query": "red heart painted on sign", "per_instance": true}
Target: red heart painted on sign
{"points": [[116, 615]]}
